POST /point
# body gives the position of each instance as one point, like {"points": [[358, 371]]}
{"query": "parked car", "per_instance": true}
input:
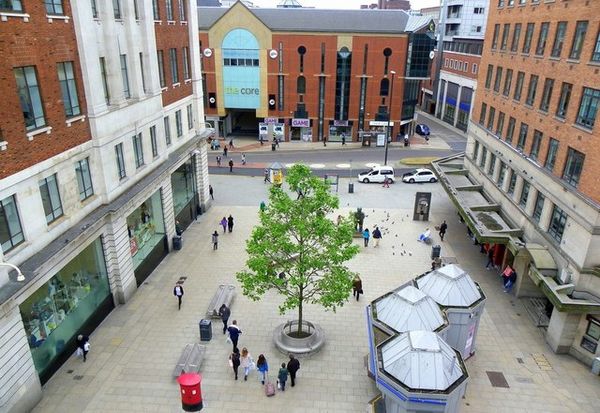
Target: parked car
{"points": [[423, 130], [377, 174], [419, 175]]}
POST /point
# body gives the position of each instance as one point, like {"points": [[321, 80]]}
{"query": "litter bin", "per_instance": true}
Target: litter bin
{"points": [[351, 187], [436, 251], [273, 146], [177, 242], [596, 366], [205, 330]]}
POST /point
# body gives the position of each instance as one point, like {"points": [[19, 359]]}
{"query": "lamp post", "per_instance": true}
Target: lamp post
{"points": [[20, 276], [387, 132]]}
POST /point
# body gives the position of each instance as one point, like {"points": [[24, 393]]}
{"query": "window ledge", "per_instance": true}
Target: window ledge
{"points": [[594, 63], [80, 118], [159, 22], [119, 20], [574, 61], [34, 133], [3, 145], [171, 22], [5, 15], [164, 89], [583, 128], [186, 81], [558, 118], [52, 17], [183, 23], [176, 85]]}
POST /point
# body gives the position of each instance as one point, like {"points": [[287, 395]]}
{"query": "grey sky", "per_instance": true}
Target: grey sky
{"points": [[344, 4]]}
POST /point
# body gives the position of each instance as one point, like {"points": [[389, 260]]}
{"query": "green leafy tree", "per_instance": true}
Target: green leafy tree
{"points": [[298, 250]]}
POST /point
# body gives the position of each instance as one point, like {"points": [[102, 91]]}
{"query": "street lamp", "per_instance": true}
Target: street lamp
{"points": [[387, 132], [20, 276]]}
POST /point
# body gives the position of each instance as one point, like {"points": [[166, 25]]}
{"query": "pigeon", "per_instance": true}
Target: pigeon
{"points": [[402, 244], [393, 222], [396, 235], [410, 253], [393, 253]]}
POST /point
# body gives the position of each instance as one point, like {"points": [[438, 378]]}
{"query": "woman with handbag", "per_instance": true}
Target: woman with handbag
{"points": [[246, 362], [263, 368], [357, 287], [234, 361]]}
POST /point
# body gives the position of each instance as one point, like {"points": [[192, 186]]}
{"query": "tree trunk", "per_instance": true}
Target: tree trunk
{"points": [[300, 315]]}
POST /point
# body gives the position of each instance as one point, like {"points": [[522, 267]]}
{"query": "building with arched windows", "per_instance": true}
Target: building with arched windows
{"points": [[304, 74]]}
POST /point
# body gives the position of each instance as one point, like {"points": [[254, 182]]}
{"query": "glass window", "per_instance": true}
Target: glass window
{"points": [[142, 72], [498, 79], [125, 76], [511, 129], [495, 38], [539, 207], [514, 46], [153, 142], [174, 69], [120, 161], [29, 97], [182, 11], [596, 53], [551, 155], [11, 5], [52, 6], [500, 125], [588, 107], [178, 124], [169, 9], [161, 68], [542, 39], [138, 150], [512, 183], [186, 63], [535, 145], [68, 87], [167, 125], [559, 39], [190, 116], [84, 179], [547, 95], [563, 102], [507, 82], [51, 198], [11, 232], [532, 90], [522, 136], [505, 34], [502, 174], [104, 80], [183, 184], [483, 157], [557, 223], [155, 10], [482, 114], [490, 123], [528, 37], [573, 167], [500, 3], [476, 150], [488, 76], [593, 329], [524, 194], [54, 315], [136, 11], [117, 8], [146, 228], [384, 87], [580, 31], [492, 165], [94, 9], [519, 86]]}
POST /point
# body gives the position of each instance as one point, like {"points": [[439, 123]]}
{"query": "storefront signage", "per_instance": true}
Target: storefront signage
{"points": [[300, 123], [242, 91], [340, 123], [271, 121], [380, 123], [273, 54]]}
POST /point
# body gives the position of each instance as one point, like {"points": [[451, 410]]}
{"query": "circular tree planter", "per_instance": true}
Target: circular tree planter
{"points": [[286, 340]]}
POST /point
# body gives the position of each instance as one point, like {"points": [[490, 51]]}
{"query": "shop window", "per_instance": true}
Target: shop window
{"points": [[11, 231], [301, 84], [384, 87], [51, 198], [84, 179], [55, 313], [183, 183], [146, 228]]}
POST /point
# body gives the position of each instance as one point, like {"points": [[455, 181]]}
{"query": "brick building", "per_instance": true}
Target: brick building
{"points": [[102, 151], [528, 183], [305, 74]]}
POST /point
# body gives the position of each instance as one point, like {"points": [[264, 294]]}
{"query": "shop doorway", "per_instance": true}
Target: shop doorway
{"points": [[242, 122]]}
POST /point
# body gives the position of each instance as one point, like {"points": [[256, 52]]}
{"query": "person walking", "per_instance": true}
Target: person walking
{"points": [[224, 224], [230, 223], [234, 333], [224, 313], [178, 292], [386, 182], [510, 281], [234, 361], [211, 192], [225, 152], [83, 346], [343, 139], [243, 159], [366, 235], [277, 142], [267, 176], [245, 362], [231, 165], [490, 255], [357, 287], [324, 140], [377, 236], [263, 368], [231, 143], [219, 161], [215, 240], [443, 228], [293, 366], [282, 377]]}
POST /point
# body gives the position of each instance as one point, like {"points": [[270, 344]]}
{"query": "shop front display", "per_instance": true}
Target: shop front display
{"points": [[340, 129], [72, 302], [147, 240], [185, 194]]}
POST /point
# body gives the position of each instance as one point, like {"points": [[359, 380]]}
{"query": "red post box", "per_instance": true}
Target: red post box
{"points": [[191, 394]]}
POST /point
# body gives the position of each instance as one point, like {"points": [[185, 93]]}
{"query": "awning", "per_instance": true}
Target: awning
{"points": [[542, 259]]}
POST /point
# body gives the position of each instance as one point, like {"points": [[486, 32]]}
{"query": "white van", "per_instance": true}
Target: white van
{"points": [[377, 174]]}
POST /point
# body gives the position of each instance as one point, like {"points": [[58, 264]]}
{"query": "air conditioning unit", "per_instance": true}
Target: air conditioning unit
{"points": [[564, 276]]}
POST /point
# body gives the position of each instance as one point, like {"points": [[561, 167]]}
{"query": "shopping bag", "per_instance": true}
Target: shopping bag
{"points": [[230, 363], [86, 346], [228, 339], [278, 385], [79, 352]]}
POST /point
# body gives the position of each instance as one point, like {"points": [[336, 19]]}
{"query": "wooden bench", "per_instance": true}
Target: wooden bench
{"points": [[224, 295], [190, 359]]}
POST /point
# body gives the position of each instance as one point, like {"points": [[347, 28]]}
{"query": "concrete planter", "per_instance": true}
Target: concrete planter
{"points": [[299, 346]]}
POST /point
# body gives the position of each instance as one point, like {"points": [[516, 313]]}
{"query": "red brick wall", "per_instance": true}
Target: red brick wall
{"points": [[451, 60], [208, 72], [173, 36], [580, 74], [41, 44]]}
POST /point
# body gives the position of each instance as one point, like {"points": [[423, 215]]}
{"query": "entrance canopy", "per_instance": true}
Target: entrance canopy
{"points": [[450, 286]]}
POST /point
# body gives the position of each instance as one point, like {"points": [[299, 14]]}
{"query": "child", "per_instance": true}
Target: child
{"points": [[282, 376]]}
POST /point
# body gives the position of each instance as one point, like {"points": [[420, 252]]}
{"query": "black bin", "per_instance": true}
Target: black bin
{"points": [[273, 146], [436, 250], [351, 187], [205, 330], [177, 242]]}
